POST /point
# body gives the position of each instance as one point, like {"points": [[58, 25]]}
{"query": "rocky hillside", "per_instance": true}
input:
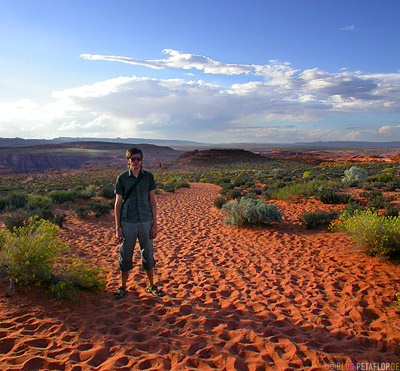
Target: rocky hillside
{"points": [[218, 156], [78, 155]]}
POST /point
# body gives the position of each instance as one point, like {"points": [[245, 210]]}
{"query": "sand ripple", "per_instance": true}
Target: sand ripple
{"points": [[276, 298]]}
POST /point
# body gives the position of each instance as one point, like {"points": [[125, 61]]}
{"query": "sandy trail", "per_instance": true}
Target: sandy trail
{"points": [[238, 299]]}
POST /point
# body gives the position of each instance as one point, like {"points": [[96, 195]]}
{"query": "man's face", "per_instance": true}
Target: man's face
{"points": [[135, 161]]}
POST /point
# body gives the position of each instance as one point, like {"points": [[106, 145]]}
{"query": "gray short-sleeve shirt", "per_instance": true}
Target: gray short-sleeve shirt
{"points": [[137, 208]]}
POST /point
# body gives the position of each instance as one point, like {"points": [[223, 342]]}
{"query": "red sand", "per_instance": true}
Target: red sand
{"points": [[251, 299]]}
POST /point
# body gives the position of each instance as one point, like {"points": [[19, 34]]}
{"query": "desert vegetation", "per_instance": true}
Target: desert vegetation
{"points": [[362, 194]]}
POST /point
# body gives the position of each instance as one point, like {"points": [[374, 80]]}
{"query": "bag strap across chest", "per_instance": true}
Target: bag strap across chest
{"points": [[133, 186]]}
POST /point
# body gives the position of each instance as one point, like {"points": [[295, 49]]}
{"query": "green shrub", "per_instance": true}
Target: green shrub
{"points": [[64, 290], [63, 196], [81, 211], [222, 181], [376, 199], [39, 202], [307, 174], [248, 211], [169, 187], [315, 219], [354, 176], [83, 276], [329, 196], [305, 189], [98, 207], [352, 206], [182, 184], [31, 251], [16, 200], [233, 194], [377, 235], [107, 192], [88, 192], [16, 219], [382, 178], [219, 202]]}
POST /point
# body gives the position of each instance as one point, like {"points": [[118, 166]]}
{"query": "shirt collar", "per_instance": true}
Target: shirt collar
{"points": [[141, 172]]}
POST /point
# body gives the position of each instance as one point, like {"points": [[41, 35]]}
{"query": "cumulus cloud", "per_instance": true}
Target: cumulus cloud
{"points": [[179, 60], [276, 103]]}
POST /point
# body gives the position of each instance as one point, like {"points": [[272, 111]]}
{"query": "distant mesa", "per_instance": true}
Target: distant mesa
{"points": [[78, 155], [218, 156]]}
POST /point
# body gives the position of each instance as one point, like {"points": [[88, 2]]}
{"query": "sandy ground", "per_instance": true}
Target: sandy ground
{"points": [[278, 298]]}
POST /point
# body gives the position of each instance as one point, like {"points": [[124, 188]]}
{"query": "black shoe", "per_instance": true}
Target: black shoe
{"points": [[155, 291], [120, 293]]}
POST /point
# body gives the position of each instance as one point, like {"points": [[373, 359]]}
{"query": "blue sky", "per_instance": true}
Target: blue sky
{"points": [[276, 71]]}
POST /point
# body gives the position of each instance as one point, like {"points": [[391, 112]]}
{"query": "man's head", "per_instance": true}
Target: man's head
{"points": [[134, 157]]}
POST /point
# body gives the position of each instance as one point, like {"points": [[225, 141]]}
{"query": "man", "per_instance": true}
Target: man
{"points": [[135, 217]]}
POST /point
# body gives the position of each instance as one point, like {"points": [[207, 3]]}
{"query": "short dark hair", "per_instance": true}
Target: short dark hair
{"points": [[133, 151]]}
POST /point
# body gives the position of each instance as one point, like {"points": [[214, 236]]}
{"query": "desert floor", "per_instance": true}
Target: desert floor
{"points": [[280, 297]]}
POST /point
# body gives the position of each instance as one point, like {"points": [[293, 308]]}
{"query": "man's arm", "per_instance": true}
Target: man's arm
{"points": [[117, 210], [153, 206]]}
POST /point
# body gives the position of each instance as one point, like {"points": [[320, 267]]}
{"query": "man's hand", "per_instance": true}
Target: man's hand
{"points": [[119, 235], [154, 231]]}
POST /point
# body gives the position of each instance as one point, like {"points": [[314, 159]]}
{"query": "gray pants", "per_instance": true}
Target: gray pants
{"points": [[131, 232]]}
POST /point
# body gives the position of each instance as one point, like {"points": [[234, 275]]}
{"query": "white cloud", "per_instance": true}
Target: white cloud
{"points": [[273, 96], [179, 60], [350, 28]]}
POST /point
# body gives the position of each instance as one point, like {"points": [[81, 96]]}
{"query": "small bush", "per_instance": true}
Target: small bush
{"points": [[16, 200], [219, 202], [354, 176], [222, 181], [107, 192], [83, 276], [88, 192], [16, 219], [31, 251], [64, 290], [377, 200], [307, 174], [329, 196], [39, 202], [248, 211], [382, 178], [169, 187], [63, 196], [234, 194], [305, 189], [182, 184], [392, 211], [377, 235], [98, 207], [315, 219], [81, 211], [352, 206]]}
